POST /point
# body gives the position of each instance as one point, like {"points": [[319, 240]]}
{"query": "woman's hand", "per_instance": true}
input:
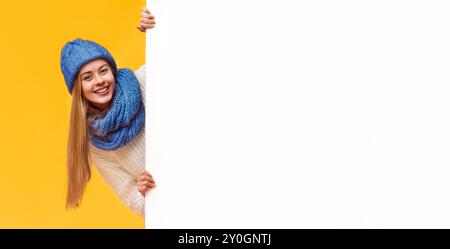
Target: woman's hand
{"points": [[145, 182], [147, 20]]}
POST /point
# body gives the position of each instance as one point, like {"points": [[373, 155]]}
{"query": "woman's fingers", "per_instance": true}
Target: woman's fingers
{"points": [[149, 179], [143, 189], [146, 184], [143, 178], [146, 25], [147, 15], [150, 184], [147, 20], [145, 172]]}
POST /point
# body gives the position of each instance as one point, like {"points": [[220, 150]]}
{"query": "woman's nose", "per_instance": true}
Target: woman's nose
{"points": [[99, 80]]}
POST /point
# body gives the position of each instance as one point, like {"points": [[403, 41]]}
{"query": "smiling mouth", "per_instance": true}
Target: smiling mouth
{"points": [[102, 90]]}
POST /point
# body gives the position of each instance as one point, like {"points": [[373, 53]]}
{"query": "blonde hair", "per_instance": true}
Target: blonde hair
{"points": [[78, 157]]}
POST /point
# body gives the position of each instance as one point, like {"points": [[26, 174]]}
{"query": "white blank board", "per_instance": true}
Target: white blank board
{"points": [[299, 114]]}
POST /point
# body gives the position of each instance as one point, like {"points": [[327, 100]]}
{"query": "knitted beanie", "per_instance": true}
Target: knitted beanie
{"points": [[77, 53]]}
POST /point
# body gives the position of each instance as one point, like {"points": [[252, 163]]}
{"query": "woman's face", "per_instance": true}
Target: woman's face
{"points": [[97, 83]]}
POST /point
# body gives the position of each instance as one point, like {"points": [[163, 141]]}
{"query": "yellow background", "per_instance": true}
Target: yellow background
{"points": [[35, 107]]}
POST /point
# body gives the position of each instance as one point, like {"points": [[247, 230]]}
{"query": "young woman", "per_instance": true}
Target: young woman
{"points": [[106, 121]]}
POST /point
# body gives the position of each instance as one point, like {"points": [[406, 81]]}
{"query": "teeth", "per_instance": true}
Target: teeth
{"points": [[101, 90]]}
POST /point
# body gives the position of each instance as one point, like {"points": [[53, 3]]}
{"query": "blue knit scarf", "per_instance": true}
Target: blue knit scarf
{"points": [[125, 116]]}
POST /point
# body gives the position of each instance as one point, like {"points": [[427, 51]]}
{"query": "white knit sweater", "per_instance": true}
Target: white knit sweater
{"points": [[120, 167]]}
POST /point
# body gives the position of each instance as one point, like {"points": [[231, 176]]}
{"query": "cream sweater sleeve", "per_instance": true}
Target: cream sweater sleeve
{"points": [[123, 183]]}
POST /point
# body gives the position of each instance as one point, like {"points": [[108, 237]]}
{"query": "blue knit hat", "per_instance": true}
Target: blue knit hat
{"points": [[75, 54]]}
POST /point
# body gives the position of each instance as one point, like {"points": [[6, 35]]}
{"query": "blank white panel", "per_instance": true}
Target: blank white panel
{"points": [[298, 114]]}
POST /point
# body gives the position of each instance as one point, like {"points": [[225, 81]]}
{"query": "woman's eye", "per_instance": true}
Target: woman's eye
{"points": [[87, 78], [104, 71]]}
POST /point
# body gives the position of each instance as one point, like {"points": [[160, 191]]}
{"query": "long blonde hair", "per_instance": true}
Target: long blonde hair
{"points": [[78, 157]]}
